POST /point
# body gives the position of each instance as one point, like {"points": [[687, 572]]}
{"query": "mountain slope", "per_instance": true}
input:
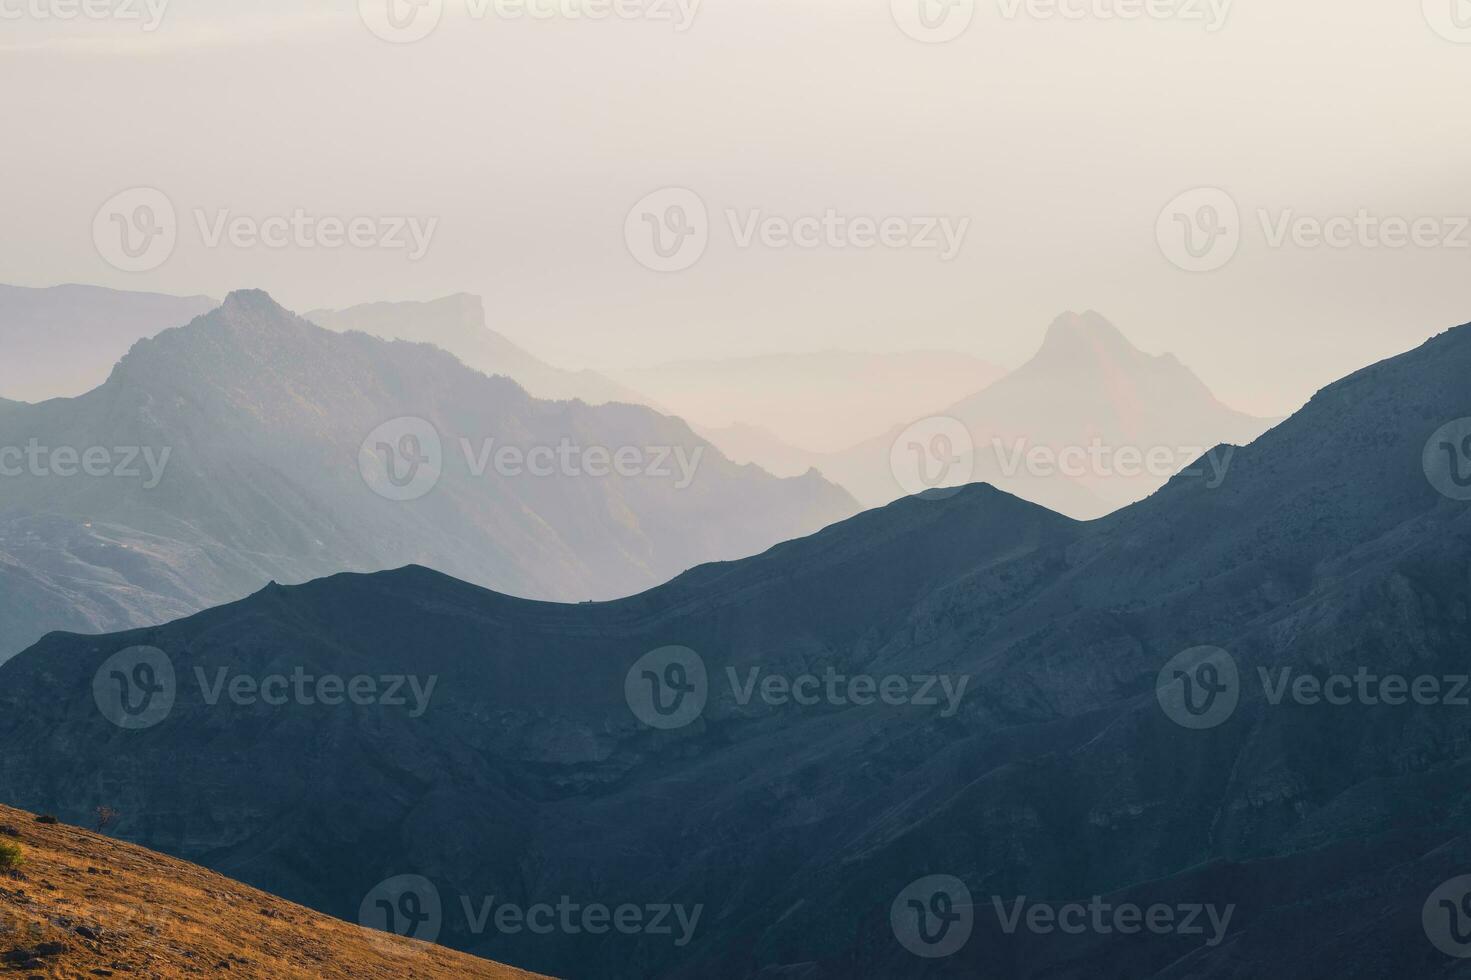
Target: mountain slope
{"points": [[63, 340], [1056, 774], [458, 324], [257, 430], [82, 904], [1086, 387]]}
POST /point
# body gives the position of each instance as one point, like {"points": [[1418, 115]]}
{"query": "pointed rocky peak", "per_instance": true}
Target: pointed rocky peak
{"points": [[1086, 335]]}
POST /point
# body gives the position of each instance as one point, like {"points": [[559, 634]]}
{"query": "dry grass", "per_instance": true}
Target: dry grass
{"points": [[83, 905]]}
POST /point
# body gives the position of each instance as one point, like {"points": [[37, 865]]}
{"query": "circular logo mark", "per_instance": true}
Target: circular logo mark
{"points": [[1451, 19], [1200, 230], [136, 230], [1447, 917], [401, 21], [933, 21], [668, 230], [1199, 688], [135, 688], [402, 459], [1447, 459], [933, 916], [667, 688], [933, 454], [406, 906]]}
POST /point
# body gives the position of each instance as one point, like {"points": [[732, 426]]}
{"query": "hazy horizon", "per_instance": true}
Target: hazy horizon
{"points": [[521, 146]]}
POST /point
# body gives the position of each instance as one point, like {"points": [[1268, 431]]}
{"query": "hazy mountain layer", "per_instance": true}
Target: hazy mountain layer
{"points": [[1089, 424], [1056, 776], [458, 324], [232, 452], [818, 402], [63, 340]]}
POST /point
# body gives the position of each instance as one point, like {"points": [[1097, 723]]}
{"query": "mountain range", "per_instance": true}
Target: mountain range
{"points": [[62, 341], [1087, 425], [251, 446], [1021, 737]]}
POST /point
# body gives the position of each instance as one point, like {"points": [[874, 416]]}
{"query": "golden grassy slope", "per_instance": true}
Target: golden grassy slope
{"points": [[84, 905]]}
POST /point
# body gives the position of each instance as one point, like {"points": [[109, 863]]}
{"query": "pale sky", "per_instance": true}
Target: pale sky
{"points": [[526, 142]]}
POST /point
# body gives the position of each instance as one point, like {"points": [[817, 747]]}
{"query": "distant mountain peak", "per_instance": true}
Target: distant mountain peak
{"points": [[1086, 333], [252, 302]]}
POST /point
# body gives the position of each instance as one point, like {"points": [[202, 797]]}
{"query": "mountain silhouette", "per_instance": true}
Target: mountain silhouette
{"points": [[62, 341], [1059, 775], [458, 324], [1088, 391], [254, 428]]}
